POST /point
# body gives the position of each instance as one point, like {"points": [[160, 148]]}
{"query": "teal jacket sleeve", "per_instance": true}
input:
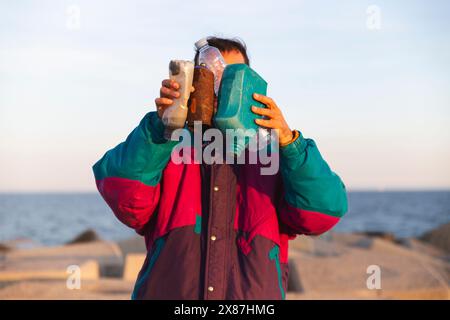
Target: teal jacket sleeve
{"points": [[128, 175], [314, 197]]}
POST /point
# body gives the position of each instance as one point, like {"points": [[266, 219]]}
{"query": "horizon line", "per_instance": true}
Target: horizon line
{"points": [[405, 189]]}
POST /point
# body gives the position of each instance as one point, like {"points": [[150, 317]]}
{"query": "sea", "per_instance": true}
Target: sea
{"points": [[56, 218]]}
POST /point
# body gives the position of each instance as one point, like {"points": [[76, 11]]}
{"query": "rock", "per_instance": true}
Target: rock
{"points": [[424, 247], [319, 246], [86, 236], [439, 237], [89, 270], [100, 289], [132, 245], [19, 243], [345, 275], [4, 248], [294, 281], [133, 264], [95, 259], [379, 234]]}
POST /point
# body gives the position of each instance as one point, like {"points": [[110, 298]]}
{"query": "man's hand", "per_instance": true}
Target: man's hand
{"points": [[168, 92], [275, 118]]}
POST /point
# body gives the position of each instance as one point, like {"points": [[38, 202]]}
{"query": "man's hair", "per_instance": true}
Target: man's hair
{"points": [[227, 45]]}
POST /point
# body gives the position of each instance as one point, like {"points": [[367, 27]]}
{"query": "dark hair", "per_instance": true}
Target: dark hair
{"points": [[227, 45]]}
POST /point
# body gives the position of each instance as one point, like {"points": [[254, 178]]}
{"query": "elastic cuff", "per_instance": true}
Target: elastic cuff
{"points": [[295, 135], [296, 147], [155, 127]]}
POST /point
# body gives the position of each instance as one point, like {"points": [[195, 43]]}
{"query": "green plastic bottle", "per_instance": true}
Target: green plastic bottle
{"points": [[239, 83]]}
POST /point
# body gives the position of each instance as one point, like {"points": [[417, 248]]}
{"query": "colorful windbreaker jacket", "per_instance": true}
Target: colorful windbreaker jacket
{"points": [[216, 231]]}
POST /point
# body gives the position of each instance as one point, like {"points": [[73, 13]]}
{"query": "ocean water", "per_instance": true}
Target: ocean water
{"points": [[53, 219], [405, 214]]}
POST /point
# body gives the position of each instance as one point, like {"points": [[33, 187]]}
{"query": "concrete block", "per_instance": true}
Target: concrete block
{"points": [[133, 264]]}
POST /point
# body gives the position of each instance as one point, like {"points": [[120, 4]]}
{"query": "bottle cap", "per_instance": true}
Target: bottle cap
{"points": [[201, 43]]}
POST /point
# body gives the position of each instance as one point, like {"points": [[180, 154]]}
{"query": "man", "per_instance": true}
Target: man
{"points": [[217, 231]]}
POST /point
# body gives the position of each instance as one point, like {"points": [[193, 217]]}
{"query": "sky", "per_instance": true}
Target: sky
{"points": [[367, 80]]}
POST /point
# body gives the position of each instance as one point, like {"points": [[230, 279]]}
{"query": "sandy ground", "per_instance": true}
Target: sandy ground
{"points": [[333, 266]]}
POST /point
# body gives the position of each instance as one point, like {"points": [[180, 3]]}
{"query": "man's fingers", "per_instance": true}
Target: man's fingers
{"points": [[263, 111], [266, 100], [163, 102], [167, 83], [168, 93], [266, 123], [171, 84]]}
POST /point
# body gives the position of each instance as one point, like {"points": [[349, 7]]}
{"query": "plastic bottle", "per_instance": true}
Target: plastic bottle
{"points": [[174, 117], [212, 59], [238, 85], [201, 102]]}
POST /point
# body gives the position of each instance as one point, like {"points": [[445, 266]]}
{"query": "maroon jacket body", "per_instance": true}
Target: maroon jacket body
{"points": [[218, 231]]}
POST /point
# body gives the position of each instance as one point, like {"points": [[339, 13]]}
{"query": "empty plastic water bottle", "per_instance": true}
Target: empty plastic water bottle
{"points": [[212, 59]]}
